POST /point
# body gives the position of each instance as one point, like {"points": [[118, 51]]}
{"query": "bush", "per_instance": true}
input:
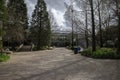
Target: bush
{"points": [[4, 57], [87, 52], [103, 53]]}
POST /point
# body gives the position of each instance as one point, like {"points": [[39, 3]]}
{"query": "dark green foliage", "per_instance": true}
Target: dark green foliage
{"points": [[110, 33], [87, 52], [4, 57], [109, 36], [105, 53], [15, 27], [40, 30], [18, 11], [2, 10], [101, 53], [3, 14]]}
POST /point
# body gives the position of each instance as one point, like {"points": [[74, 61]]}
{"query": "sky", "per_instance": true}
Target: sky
{"points": [[56, 6]]}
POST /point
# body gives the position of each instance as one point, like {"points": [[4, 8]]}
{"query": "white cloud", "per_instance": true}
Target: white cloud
{"points": [[59, 16], [30, 6], [57, 7]]}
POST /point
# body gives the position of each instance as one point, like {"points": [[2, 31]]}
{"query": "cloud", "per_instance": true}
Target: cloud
{"points": [[58, 16], [31, 6], [57, 7], [56, 4]]}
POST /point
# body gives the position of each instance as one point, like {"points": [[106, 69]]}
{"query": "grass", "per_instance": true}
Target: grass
{"points": [[4, 57], [101, 53]]}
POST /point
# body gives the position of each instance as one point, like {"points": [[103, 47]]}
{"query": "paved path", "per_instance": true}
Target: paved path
{"points": [[58, 64]]}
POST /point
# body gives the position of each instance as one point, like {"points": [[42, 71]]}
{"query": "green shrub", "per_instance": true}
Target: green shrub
{"points": [[4, 57], [103, 53], [87, 52]]}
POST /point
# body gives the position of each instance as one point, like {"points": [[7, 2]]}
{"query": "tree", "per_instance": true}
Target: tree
{"points": [[3, 15], [118, 16], [40, 23], [70, 21], [17, 21], [100, 29], [3, 10], [93, 27], [73, 17]]}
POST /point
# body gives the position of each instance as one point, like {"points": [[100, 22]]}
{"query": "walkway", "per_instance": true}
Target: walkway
{"points": [[58, 64]]}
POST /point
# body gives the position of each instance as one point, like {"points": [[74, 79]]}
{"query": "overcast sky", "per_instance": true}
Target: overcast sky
{"points": [[57, 7]]}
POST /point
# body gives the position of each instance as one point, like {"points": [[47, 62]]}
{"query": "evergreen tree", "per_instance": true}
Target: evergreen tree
{"points": [[2, 10], [41, 25], [18, 21], [3, 15]]}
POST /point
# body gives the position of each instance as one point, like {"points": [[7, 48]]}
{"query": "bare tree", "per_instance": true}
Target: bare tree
{"points": [[93, 27], [100, 26]]}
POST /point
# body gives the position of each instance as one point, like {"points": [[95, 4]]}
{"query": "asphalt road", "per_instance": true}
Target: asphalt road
{"points": [[58, 64]]}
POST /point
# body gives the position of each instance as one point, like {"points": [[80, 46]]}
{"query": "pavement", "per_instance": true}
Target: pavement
{"points": [[58, 64]]}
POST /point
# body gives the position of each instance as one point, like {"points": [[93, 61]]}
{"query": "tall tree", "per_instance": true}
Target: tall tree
{"points": [[2, 19], [41, 25], [69, 16], [100, 26], [118, 16], [17, 22], [93, 26], [86, 29]]}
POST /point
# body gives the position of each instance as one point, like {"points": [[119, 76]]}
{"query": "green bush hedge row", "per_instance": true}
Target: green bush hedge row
{"points": [[103, 53]]}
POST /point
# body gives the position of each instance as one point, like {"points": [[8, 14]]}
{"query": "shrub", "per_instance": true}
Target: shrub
{"points": [[103, 53], [4, 57], [87, 52]]}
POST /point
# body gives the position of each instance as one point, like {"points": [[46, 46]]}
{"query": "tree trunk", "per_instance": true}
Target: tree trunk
{"points": [[100, 27], [118, 14], [86, 30], [118, 49], [93, 27]]}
